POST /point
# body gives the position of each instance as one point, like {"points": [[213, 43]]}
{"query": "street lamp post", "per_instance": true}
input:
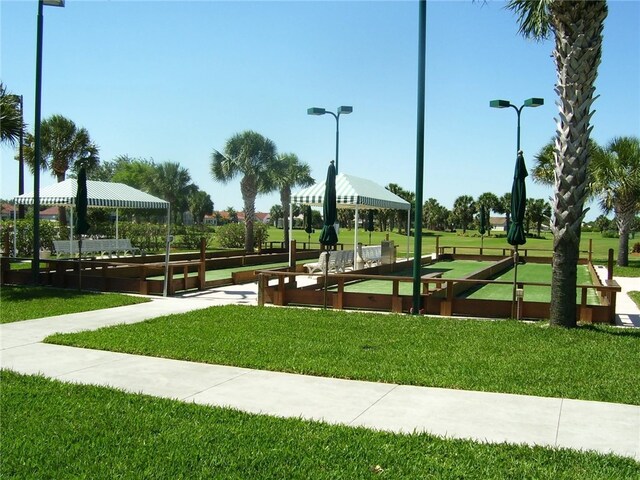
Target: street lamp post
{"points": [[341, 110], [35, 266], [529, 102], [21, 159], [517, 196]]}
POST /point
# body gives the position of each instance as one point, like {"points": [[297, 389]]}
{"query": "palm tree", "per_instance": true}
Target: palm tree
{"points": [[613, 176], [11, 123], [289, 172], [401, 215], [172, 182], [464, 208], [577, 29], [64, 147], [537, 212], [200, 204], [504, 207], [434, 215], [616, 179], [250, 155], [491, 203]]}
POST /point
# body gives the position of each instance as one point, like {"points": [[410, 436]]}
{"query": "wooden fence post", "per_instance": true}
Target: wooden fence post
{"points": [[610, 265]]}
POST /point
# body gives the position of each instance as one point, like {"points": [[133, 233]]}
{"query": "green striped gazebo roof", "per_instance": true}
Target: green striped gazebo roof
{"points": [[353, 191], [100, 194]]}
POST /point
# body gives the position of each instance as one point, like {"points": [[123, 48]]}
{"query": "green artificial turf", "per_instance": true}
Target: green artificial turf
{"points": [[221, 273], [24, 303], [535, 273], [449, 269], [56, 430], [589, 363]]}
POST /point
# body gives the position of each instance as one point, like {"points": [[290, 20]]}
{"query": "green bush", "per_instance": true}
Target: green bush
{"points": [[609, 234], [231, 235], [190, 236], [49, 231]]}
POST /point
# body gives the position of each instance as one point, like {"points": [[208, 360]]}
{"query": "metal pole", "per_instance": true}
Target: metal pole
{"points": [[21, 159], [337, 138], [35, 266], [417, 249], [519, 110], [167, 253]]}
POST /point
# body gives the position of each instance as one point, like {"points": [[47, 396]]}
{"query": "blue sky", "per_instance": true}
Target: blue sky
{"points": [[171, 81]]}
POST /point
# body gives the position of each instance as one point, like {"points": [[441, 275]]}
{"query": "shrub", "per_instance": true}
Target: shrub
{"points": [[191, 236], [636, 248], [609, 234], [231, 235]]}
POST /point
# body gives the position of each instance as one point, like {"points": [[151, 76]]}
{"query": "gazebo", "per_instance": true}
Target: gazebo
{"points": [[356, 193], [99, 194]]}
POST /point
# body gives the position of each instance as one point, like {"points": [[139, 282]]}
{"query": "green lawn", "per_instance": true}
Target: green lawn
{"points": [[56, 430], [635, 296], [601, 245], [590, 363], [24, 303]]}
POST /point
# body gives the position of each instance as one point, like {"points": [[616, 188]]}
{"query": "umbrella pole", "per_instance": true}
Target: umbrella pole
{"points": [[79, 262], [326, 276], [515, 279]]}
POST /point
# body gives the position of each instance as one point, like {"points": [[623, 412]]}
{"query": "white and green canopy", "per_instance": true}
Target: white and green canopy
{"points": [[352, 192], [99, 194]]}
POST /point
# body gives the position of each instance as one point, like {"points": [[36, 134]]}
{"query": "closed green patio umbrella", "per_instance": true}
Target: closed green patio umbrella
{"points": [[370, 226], [328, 235], [308, 222], [516, 235], [82, 225], [483, 226]]}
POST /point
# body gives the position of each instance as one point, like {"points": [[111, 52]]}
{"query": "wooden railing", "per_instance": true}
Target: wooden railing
{"points": [[440, 296]]}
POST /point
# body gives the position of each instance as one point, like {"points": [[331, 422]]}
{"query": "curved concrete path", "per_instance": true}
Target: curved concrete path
{"points": [[481, 416]]}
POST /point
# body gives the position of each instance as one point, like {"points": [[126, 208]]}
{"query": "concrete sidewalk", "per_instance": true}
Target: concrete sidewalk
{"points": [[481, 416]]}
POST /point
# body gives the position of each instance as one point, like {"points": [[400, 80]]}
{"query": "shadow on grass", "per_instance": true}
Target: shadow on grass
{"points": [[613, 331], [11, 293]]}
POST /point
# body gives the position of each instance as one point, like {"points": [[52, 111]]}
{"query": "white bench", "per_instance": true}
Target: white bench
{"points": [[371, 255], [105, 247], [339, 261]]}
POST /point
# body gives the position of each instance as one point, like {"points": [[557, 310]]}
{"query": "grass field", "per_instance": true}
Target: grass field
{"points": [[24, 303], [589, 363], [601, 245], [56, 430]]}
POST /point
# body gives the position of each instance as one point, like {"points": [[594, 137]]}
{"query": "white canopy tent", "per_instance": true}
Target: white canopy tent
{"points": [[353, 192], [99, 194]]}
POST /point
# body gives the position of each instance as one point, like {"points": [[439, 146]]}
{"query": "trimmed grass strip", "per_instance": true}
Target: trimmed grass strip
{"points": [[589, 363], [55, 430], [26, 303]]}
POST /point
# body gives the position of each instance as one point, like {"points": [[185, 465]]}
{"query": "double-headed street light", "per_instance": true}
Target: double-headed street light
{"points": [[341, 110], [35, 266], [529, 102]]}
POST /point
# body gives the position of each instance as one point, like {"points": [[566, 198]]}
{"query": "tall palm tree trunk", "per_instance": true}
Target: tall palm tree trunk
{"points": [[285, 201], [625, 215], [249, 190], [62, 211], [578, 43]]}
